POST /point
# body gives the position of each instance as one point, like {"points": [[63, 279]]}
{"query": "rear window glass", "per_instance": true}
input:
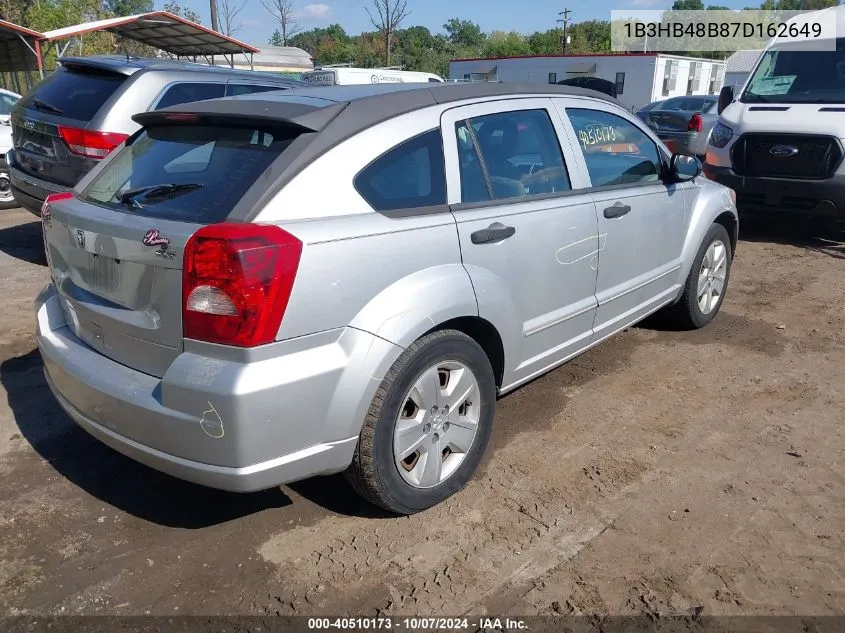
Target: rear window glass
{"points": [[73, 93], [186, 173]]}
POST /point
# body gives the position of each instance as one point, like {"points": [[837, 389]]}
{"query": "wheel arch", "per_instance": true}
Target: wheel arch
{"points": [[486, 335], [712, 206]]}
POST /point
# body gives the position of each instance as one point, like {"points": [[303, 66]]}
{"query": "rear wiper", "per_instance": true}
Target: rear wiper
{"points": [[156, 192], [43, 105]]}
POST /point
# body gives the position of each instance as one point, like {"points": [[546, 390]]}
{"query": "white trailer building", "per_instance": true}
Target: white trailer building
{"points": [[640, 78]]}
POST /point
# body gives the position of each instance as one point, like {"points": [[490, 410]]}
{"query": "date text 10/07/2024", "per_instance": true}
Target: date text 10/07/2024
{"points": [[417, 624]]}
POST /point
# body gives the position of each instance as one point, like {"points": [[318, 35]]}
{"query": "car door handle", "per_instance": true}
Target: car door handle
{"points": [[496, 232], [617, 210]]}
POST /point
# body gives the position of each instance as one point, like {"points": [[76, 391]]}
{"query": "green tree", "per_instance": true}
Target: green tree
{"points": [[128, 7], [464, 33], [506, 44], [173, 6]]}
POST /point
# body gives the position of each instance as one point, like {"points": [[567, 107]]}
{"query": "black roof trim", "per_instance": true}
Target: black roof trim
{"points": [[301, 116], [131, 65]]}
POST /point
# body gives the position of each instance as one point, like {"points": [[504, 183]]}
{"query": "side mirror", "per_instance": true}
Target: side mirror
{"points": [[726, 97], [684, 167]]}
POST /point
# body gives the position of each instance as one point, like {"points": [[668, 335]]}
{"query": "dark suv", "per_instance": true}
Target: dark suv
{"points": [[82, 111]]}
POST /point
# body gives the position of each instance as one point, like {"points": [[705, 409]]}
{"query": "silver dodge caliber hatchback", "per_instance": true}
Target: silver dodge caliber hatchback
{"points": [[260, 289]]}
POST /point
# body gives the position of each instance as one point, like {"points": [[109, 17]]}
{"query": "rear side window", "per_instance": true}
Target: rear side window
{"points": [[178, 94], [409, 176], [74, 93], [520, 153], [188, 173], [245, 89]]}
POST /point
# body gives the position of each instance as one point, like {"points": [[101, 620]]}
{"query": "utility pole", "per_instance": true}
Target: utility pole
{"points": [[214, 25], [565, 20]]}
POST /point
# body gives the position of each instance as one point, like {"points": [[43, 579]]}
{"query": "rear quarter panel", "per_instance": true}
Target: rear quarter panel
{"points": [[395, 277]]}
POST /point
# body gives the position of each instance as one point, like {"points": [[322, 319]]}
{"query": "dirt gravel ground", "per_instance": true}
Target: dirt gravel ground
{"points": [[657, 473]]}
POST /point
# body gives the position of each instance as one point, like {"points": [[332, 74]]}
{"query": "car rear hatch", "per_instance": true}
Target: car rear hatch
{"points": [[669, 122], [52, 132], [116, 249]]}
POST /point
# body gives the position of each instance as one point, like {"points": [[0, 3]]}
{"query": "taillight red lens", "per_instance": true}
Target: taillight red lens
{"points": [[696, 124], [45, 218], [236, 283], [90, 143], [54, 197]]}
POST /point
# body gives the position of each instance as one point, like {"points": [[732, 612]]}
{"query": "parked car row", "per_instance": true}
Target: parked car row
{"points": [[294, 281]]}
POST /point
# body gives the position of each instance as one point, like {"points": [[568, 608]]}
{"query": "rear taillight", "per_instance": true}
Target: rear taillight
{"points": [[90, 143], [46, 215], [696, 124], [236, 283], [51, 199]]}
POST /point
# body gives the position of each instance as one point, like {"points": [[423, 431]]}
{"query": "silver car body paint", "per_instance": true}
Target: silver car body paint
{"points": [[367, 286]]}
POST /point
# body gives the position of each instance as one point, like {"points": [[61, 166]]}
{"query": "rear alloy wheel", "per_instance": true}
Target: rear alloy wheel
{"points": [[707, 281], [428, 425]]}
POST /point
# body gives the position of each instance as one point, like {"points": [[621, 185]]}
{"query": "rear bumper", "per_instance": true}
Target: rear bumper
{"points": [[234, 426], [783, 196], [685, 142], [28, 190]]}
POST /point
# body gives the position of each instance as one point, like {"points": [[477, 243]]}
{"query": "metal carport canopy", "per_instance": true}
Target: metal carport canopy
{"points": [[162, 30], [19, 48]]}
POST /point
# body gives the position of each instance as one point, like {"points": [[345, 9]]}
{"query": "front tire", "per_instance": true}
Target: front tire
{"points": [[428, 425], [707, 281]]}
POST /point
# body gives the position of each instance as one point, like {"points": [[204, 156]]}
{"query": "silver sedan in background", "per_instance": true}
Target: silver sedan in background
{"points": [[683, 123]]}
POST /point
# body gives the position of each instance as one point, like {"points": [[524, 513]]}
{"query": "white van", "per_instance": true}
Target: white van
{"points": [[779, 142], [344, 76]]}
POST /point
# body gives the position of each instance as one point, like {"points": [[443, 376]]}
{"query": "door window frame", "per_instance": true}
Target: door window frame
{"points": [[563, 104], [457, 114]]}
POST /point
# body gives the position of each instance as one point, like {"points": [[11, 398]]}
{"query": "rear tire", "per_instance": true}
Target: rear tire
{"points": [[706, 283], [428, 425]]}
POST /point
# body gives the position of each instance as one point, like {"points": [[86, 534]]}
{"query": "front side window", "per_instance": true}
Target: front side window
{"points": [[178, 94], [517, 154], [790, 76], [616, 151], [188, 173], [412, 175]]}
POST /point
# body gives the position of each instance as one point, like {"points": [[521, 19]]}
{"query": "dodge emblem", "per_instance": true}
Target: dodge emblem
{"points": [[80, 238]]}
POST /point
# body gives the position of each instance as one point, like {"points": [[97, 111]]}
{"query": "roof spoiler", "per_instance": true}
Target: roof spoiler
{"points": [[300, 117]]}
